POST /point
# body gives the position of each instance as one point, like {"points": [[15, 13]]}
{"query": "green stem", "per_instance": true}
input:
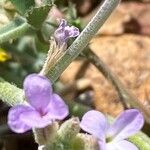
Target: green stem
{"points": [[124, 94], [10, 94], [83, 39], [13, 30]]}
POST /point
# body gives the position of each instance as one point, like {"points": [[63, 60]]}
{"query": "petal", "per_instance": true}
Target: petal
{"points": [[38, 91], [121, 145], [102, 144], [63, 23], [35, 120], [14, 118], [94, 123], [57, 109], [71, 32], [75, 31], [64, 32], [127, 124]]}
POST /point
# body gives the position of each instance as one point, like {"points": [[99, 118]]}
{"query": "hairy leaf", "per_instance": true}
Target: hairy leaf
{"points": [[37, 15], [22, 5]]}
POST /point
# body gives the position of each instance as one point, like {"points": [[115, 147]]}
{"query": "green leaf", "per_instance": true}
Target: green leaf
{"points": [[13, 30], [141, 140], [23, 5], [37, 15]]}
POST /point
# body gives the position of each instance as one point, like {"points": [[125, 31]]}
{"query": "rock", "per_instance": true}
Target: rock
{"points": [[128, 56]]}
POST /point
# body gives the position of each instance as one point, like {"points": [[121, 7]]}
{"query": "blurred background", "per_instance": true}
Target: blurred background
{"points": [[123, 43]]}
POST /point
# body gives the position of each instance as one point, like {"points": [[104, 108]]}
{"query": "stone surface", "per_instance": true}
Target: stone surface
{"points": [[128, 56]]}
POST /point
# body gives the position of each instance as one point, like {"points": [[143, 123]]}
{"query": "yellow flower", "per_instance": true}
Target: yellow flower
{"points": [[4, 56]]}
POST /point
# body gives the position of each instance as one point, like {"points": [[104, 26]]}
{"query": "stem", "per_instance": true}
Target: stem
{"points": [[83, 39], [10, 94], [124, 94], [13, 30]]}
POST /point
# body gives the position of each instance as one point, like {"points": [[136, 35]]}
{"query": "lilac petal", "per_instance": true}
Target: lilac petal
{"points": [[126, 145], [63, 23], [121, 145], [14, 118], [64, 32], [57, 109], [38, 91], [71, 32], [94, 123], [35, 120], [127, 124], [75, 31], [102, 144]]}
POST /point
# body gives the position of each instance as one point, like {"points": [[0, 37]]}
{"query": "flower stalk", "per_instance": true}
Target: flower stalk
{"points": [[82, 40], [125, 96]]}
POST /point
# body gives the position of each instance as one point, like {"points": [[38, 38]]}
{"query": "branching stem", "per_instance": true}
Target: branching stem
{"points": [[83, 39], [124, 94]]}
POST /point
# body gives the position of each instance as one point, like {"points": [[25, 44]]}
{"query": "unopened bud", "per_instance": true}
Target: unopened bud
{"points": [[85, 142], [46, 135], [69, 129]]}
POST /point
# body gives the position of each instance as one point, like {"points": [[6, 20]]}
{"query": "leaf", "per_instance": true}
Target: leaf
{"points": [[37, 15], [14, 29], [23, 5]]}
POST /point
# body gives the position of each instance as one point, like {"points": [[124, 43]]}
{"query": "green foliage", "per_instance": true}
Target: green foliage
{"points": [[65, 135], [22, 50], [23, 5], [37, 15], [14, 29]]}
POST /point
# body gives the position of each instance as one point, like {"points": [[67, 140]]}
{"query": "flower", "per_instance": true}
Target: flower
{"points": [[113, 136], [64, 32], [42, 109], [4, 56]]}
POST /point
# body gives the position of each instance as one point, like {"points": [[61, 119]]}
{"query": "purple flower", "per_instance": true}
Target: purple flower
{"points": [[42, 109], [64, 32], [113, 136]]}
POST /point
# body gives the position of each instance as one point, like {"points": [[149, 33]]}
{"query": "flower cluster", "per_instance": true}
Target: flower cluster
{"points": [[42, 109], [44, 106], [113, 136], [58, 43], [64, 32]]}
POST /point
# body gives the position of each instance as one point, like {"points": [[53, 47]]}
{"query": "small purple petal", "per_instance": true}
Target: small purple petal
{"points": [[38, 91], [94, 123], [15, 121], [75, 31], [35, 120], [102, 144], [64, 32], [111, 146], [63, 23], [121, 145], [57, 109], [127, 124]]}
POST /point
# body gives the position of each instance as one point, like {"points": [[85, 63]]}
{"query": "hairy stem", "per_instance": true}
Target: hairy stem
{"points": [[124, 94], [83, 39], [13, 30]]}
